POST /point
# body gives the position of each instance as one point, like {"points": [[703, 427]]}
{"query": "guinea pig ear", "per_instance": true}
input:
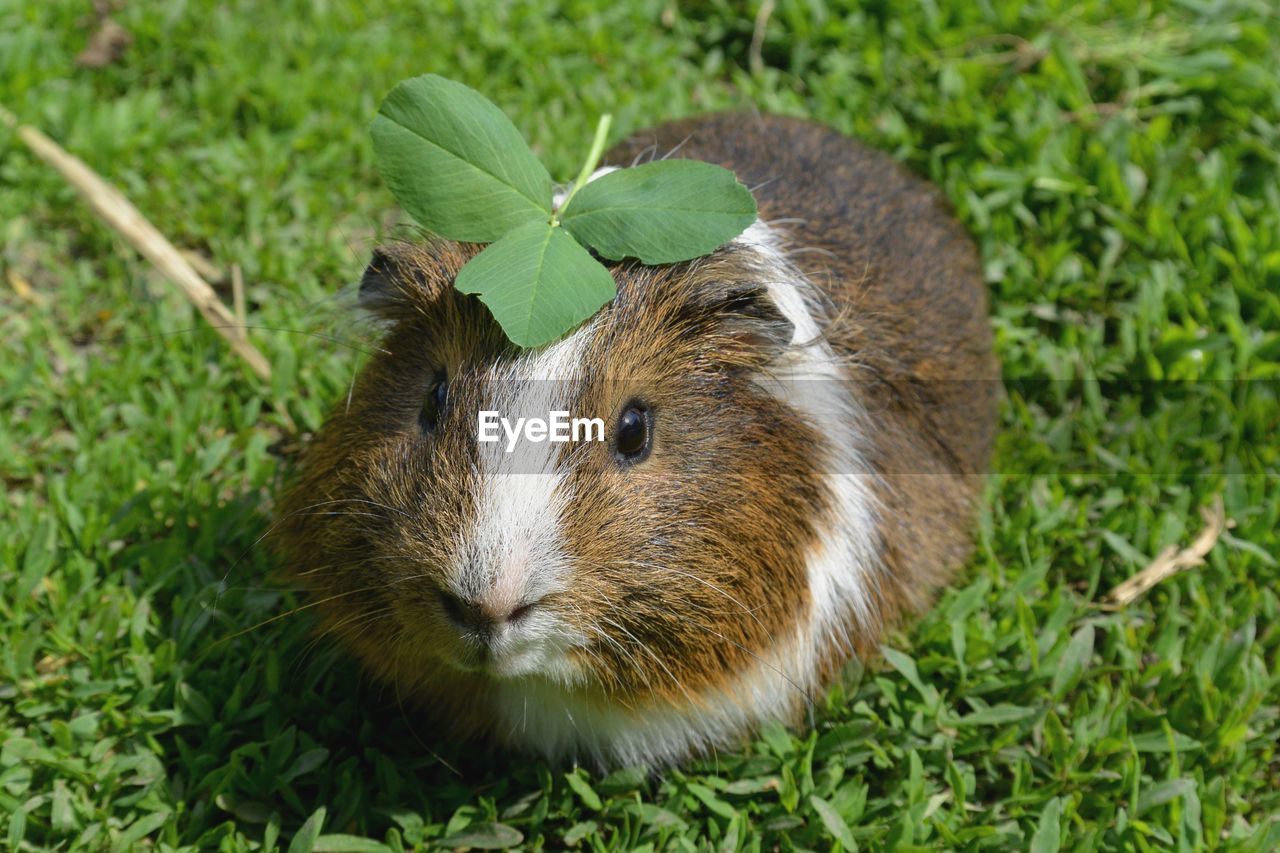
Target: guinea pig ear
{"points": [[402, 278], [750, 322]]}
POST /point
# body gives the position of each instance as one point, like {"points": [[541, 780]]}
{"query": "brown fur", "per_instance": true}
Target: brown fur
{"points": [[906, 288], [694, 560]]}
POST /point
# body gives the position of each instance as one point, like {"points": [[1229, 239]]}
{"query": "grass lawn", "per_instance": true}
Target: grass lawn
{"points": [[1117, 163]]}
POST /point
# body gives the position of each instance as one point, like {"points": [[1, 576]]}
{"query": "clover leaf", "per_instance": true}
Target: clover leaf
{"points": [[456, 163], [538, 282], [460, 168], [660, 213]]}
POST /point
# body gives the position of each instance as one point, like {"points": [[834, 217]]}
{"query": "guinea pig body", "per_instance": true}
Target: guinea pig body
{"points": [[795, 430]]}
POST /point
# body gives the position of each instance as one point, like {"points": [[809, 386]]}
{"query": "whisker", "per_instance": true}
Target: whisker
{"points": [[810, 250], [808, 699], [398, 642], [676, 150], [764, 184], [352, 564], [295, 610], [659, 661], [410, 578], [368, 501], [351, 387], [649, 150], [282, 519], [613, 641], [363, 621], [711, 586]]}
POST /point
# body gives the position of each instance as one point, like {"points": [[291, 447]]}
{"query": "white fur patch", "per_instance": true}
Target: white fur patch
{"points": [[541, 715], [815, 382], [514, 551]]}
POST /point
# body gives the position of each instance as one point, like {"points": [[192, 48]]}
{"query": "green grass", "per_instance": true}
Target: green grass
{"points": [[1118, 165]]}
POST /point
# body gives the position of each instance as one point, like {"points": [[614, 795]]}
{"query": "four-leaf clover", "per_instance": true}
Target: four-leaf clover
{"points": [[460, 168]]}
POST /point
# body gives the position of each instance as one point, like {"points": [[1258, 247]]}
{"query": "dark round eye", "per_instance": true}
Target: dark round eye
{"points": [[634, 436], [433, 405]]}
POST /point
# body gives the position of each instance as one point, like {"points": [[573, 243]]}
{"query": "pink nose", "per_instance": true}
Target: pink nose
{"points": [[483, 615]]}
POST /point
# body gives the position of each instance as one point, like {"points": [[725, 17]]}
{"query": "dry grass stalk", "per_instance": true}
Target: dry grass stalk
{"points": [[1172, 559], [116, 210]]}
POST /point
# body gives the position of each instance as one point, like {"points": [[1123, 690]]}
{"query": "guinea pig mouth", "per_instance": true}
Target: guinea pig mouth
{"points": [[483, 660], [502, 659], [472, 654]]}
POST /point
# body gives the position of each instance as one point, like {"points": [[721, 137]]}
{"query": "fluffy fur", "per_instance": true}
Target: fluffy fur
{"points": [[821, 419]]}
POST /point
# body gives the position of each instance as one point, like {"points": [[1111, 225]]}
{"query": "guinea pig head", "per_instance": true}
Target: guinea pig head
{"points": [[633, 574]]}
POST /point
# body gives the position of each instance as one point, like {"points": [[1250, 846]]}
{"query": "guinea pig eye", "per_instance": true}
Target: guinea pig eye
{"points": [[633, 438], [433, 405]]}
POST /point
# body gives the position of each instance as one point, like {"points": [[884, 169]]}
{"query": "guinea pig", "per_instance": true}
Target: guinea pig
{"points": [[795, 434]]}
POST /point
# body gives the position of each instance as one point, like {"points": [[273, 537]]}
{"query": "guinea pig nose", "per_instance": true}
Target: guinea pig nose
{"points": [[481, 614]]}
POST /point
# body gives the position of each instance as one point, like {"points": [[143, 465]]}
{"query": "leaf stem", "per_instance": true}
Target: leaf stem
{"points": [[589, 166]]}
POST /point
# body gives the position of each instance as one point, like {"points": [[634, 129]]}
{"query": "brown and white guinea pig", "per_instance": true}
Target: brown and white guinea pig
{"points": [[796, 430]]}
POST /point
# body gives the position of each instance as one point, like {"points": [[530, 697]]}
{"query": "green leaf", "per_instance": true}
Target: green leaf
{"points": [[62, 815], [484, 836], [834, 823], [584, 791], [709, 799], [455, 162], [1048, 830], [537, 282], [622, 780], [1164, 742], [906, 665], [17, 828], [777, 738], [1074, 662], [140, 829], [305, 840], [271, 832], [1163, 792], [996, 715], [663, 212], [580, 831], [307, 762]]}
